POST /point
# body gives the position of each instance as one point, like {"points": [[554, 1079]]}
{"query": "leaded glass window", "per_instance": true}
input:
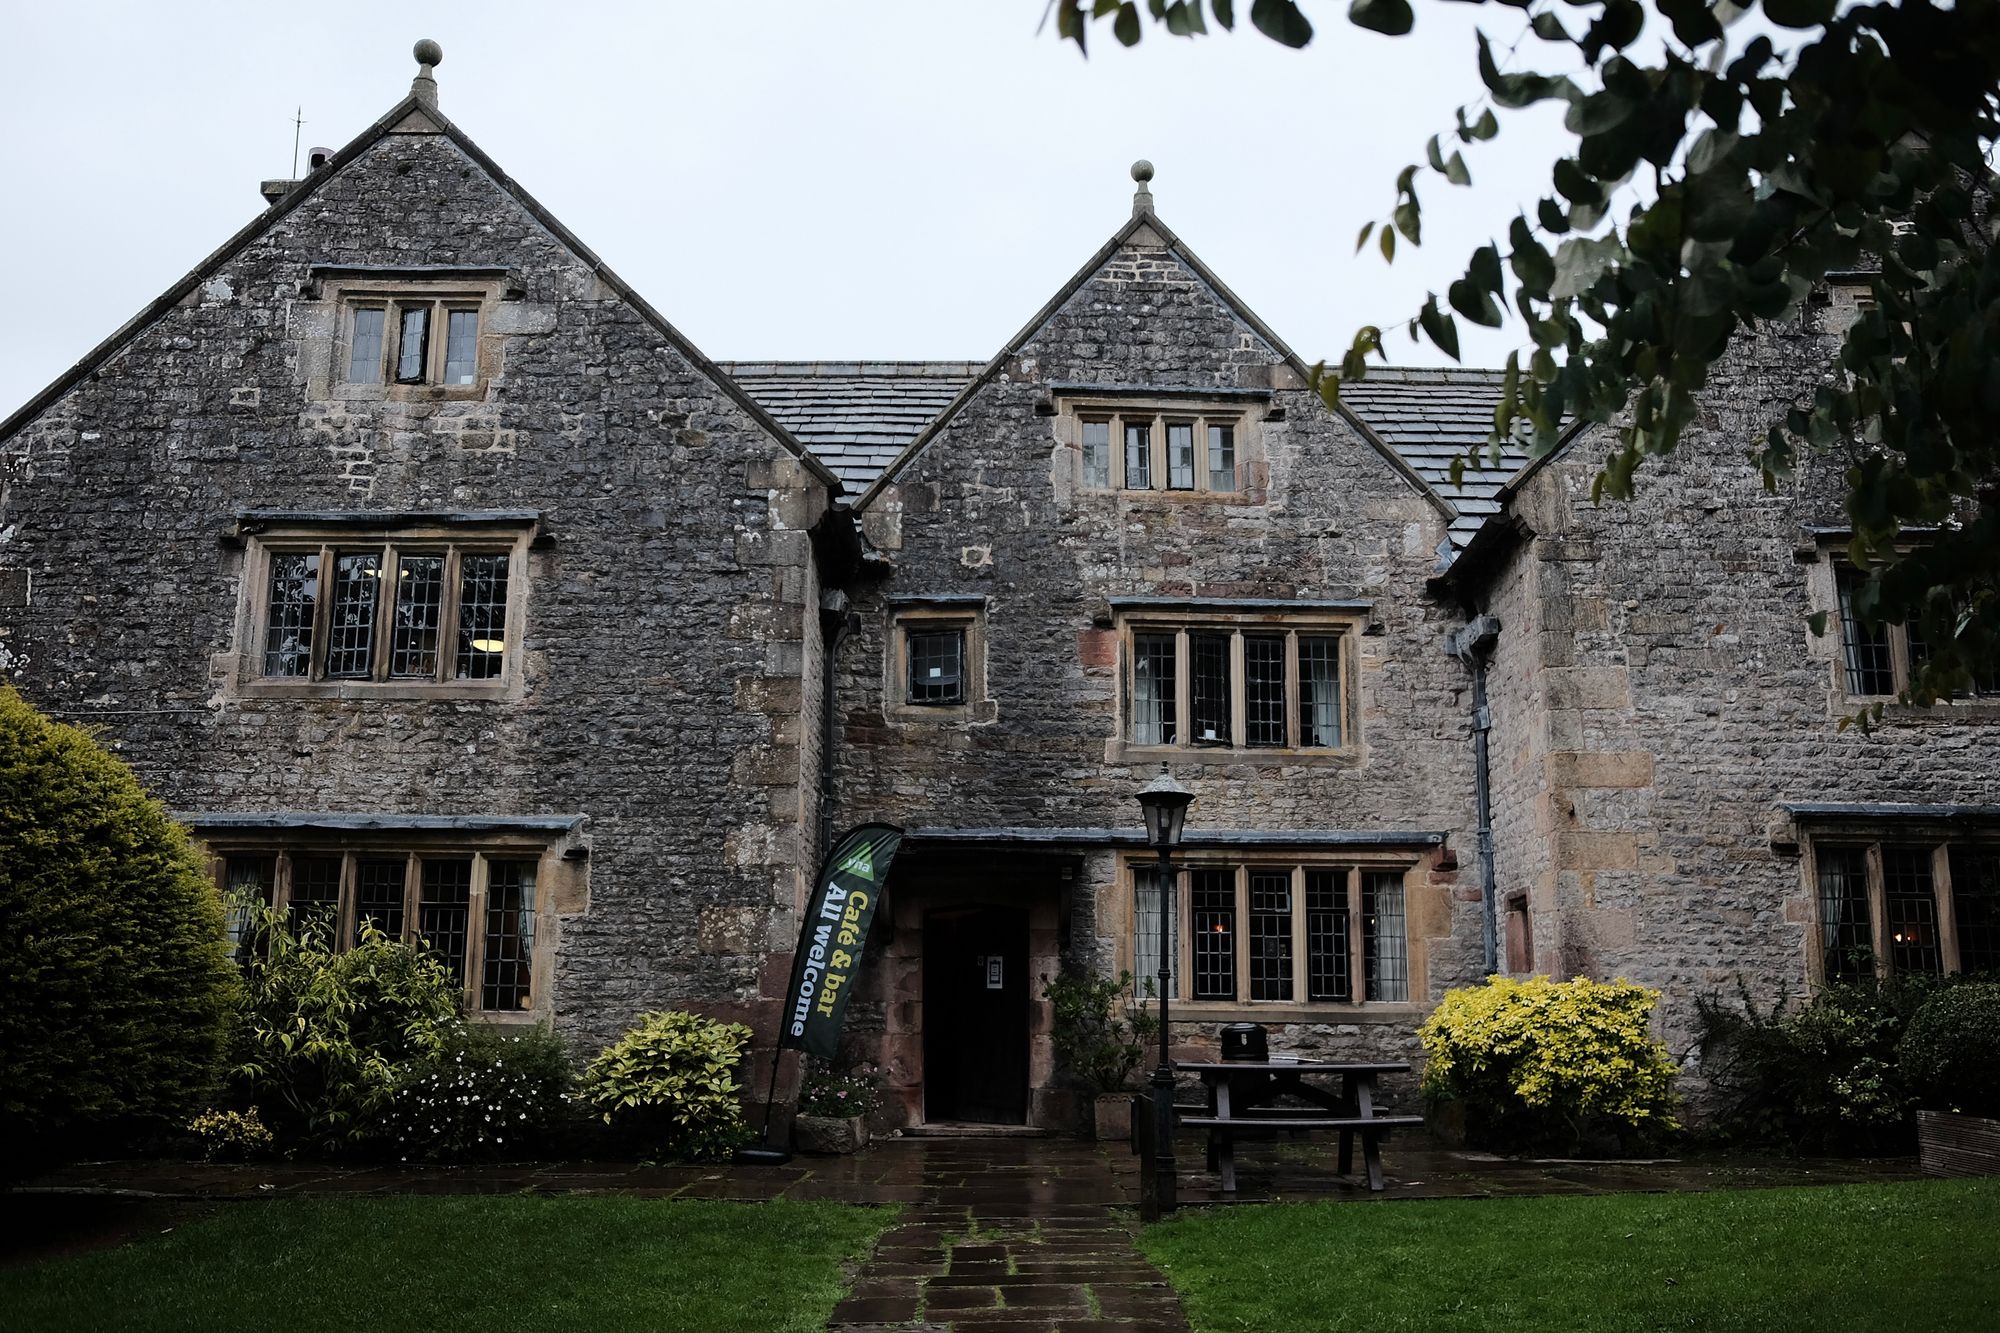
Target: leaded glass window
{"points": [[936, 666], [1212, 935], [1097, 454], [1975, 897], [443, 908], [413, 344], [294, 605], [1845, 932], [461, 346], [1319, 692], [419, 614], [379, 888], [482, 617], [1222, 458], [1180, 455], [1328, 972], [1146, 932], [357, 584], [510, 934], [1154, 705], [1384, 943], [1270, 935], [1213, 691], [1264, 689], [1911, 899], [1138, 455], [1286, 692], [364, 345]]}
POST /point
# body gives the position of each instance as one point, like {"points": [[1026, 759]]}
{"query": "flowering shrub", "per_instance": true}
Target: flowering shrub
{"points": [[231, 1136], [323, 1030], [670, 1085], [840, 1093], [488, 1093], [1545, 1063], [1951, 1052], [1818, 1077]]}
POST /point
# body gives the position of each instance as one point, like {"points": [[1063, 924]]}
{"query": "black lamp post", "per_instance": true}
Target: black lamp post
{"points": [[1165, 804]]}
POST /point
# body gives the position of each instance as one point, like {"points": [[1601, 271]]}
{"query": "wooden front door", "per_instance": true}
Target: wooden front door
{"points": [[976, 1015]]}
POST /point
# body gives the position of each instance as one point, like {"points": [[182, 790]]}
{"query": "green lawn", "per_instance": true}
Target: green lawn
{"points": [[436, 1264], [1918, 1255]]}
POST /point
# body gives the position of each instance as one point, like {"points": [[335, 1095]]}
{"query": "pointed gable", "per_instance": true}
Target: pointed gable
{"points": [[1144, 272]]}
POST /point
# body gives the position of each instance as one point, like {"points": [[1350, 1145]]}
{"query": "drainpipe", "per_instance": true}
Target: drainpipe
{"points": [[1473, 645], [835, 623]]}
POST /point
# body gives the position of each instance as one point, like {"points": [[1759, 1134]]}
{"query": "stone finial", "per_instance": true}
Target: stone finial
{"points": [[429, 56], [1142, 198]]}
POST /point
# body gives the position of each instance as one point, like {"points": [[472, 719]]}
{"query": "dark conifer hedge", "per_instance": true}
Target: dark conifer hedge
{"points": [[116, 989]]}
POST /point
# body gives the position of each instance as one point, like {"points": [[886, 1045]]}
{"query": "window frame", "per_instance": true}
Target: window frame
{"points": [[926, 616], [440, 298], [1829, 593], [282, 854], [453, 541], [1156, 416], [1355, 865], [1344, 629], [1872, 844]]}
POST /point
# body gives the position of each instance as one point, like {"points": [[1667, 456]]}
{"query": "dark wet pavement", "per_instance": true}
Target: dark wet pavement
{"points": [[993, 1234]]}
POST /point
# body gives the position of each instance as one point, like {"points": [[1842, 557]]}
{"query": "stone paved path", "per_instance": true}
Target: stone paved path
{"points": [[1013, 1234]]}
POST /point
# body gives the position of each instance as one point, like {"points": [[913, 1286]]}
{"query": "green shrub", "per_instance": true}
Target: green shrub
{"points": [[1951, 1051], [487, 1093], [669, 1086], [1098, 1028], [1820, 1077], [323, 1031], [1545, 1064], [115, 981]]}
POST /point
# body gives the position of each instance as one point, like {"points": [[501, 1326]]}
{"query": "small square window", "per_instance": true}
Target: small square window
{"points": [[937, 666]]}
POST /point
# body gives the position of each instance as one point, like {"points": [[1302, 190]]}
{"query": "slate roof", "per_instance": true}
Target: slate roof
{"points": [[1430, 417], [855, 416]]}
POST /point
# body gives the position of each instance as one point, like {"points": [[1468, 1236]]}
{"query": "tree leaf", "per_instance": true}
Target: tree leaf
{"points": [[1391, 17], [1126, 26], [1362, 239], [1225, 13], [1799, 13], [1281, 21], [1439, 327], [1454, 170]]}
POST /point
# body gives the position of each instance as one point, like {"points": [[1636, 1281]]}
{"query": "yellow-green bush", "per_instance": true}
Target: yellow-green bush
{"points": [[1542, 1063], [115, 982], [669, 1086]]}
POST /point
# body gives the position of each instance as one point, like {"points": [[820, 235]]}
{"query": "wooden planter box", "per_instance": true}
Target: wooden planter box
{"points": [[1958, 1145], [829, 1134]]}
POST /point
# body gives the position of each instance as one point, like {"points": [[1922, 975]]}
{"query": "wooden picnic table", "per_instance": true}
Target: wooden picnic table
{"points": [[1241, 1093]]}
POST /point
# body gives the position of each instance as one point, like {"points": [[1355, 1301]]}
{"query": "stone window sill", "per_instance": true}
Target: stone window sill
{"points": [[1120, 752], [1279, 1012]]}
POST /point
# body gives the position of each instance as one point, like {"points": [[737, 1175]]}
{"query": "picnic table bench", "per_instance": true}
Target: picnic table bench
{"points": [[1240, 1093]]}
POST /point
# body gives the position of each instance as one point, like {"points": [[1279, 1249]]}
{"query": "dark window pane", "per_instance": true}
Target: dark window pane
{"points": [[461, 346], [1214, 907], [1264, 688], [1211, 701], [937, 666], [378, 895], [413, 643], [1847, 940], [510, 934], [1221, 458], [1153, 689], [357, 582], [1975, 904], [482, 617], [247, 884], [1270, 935], [1097, 454], [1384, 949], [1138, 455], [364, 349], [294, 597], [1328, 976], [1146, 933], [1319, 692], [315, 897], [1869, 667], [1180, 456], [1912, 910], [413, 345], [442, 909]]}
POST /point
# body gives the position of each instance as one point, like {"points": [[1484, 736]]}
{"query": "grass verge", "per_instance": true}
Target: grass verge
{"points": [[447, 1263], [1903, 1256]]}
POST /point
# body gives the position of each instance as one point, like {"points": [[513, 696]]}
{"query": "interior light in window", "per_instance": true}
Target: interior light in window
{"points": [[489, 645]]}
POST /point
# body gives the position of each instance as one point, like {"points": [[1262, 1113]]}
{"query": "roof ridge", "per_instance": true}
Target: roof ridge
{"points": [[809, 369]]}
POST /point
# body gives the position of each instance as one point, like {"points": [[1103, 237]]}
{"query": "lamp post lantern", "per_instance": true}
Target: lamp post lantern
{"points": [[1164, 803]]}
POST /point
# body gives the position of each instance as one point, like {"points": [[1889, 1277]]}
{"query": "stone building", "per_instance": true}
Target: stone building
{"points": [[438, 580]]}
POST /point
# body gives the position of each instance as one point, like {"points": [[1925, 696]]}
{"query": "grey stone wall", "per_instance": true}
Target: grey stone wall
{"points": [[1662, 695], [667, 620], [989, 509]]}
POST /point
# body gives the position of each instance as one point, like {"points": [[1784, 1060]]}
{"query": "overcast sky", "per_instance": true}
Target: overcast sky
{"points": [[834, 179]]}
